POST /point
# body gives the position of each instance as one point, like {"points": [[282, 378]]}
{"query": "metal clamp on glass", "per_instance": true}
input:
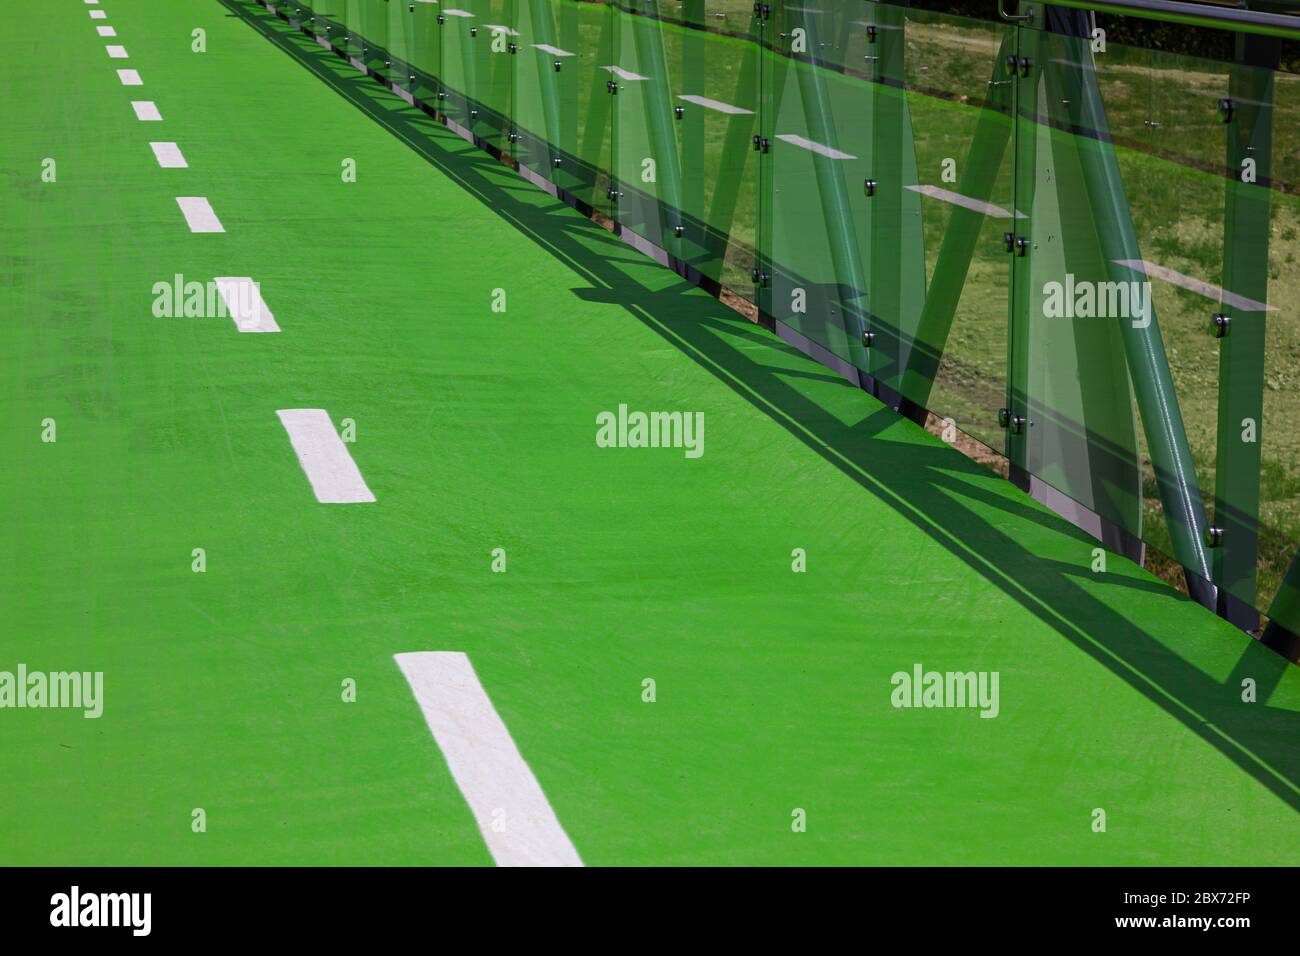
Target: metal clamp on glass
{"points": [[1017, 64]]}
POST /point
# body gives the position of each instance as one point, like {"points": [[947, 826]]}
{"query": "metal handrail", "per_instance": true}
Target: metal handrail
{"points": [[1196, 14], [1012, 16]]}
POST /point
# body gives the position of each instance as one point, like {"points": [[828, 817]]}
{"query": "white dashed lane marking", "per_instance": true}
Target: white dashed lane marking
{"points": [[333, 474], [146, 110], [129, 78], [169, 156], [199, 215], [513, 814], [244, 304]]}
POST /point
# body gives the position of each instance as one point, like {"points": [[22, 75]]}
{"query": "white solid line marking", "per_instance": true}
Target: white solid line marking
{"points": [[957, 199], [129, 78], [146, 110], [169, 156], [98, 15], [552, 50], [198, 213], [716, 105], [814, 147], [117, 52], [512, 812], [106, 31], [1209, 290], [244, 304], [625, 74], [330, 469]]}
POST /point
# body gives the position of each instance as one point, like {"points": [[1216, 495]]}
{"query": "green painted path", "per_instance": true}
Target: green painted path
{"points": [[475, 430]]}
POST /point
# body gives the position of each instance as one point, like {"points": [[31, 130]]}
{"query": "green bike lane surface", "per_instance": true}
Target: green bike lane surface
{"points": [[475, 430]]}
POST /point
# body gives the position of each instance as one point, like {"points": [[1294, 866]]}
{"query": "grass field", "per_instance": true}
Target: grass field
{"points": [[475, 430]]}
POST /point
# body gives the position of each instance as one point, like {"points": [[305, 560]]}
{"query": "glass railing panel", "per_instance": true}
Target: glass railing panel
{"points": [[563, 111], [959, 98], [1115, 360], [486, 44], [423, 52], [354, 25], [328, 19], [647, 161], [1278, 184], [1080, 306], [460, 27], [375, 32], [500, 53], [716, 44], [818, 139]]}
